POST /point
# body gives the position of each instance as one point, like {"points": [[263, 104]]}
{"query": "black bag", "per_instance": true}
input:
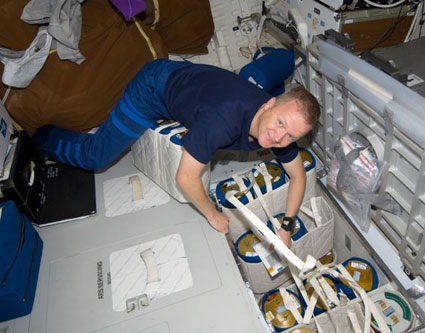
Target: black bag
{"points": [[20, 256]]}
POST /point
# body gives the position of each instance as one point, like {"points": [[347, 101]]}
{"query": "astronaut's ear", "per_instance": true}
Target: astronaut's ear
{"points": [[270, 103]]}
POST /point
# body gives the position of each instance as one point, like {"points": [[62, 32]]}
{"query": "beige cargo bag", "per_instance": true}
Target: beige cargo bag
{"points": [[275, 199], [315, 213], [312, 270], [157, 154], [397, 313]]}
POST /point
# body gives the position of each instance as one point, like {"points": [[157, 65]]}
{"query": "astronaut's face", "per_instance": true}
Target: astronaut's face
{"points": [[279, 125]]}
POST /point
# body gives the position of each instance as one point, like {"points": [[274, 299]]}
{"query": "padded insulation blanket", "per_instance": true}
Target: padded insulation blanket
{"points": [[157, 154]]}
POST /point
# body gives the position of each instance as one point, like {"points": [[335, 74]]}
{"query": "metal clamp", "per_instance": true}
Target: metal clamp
{"points": [[137, 303]]}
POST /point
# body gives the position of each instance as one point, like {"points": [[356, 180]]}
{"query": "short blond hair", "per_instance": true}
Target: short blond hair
{"points": [[307, 103]]}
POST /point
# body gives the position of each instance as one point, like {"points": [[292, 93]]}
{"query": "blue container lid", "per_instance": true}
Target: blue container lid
{"points": [[275, 170], [250, 258], [362, 272], [299, 229], [280, 307], [168, 129], [318, 309], [162, 122], [308, 159], [177, 138], [229, 184]]}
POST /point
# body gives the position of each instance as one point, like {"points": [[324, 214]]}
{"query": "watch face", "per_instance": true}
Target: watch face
{"points": [[296, 228]]}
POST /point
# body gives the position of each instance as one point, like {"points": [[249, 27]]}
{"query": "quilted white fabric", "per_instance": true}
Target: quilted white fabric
{"points": [[129, 275], [337, 319], [118, 196], [318, 241], [158, 158]]}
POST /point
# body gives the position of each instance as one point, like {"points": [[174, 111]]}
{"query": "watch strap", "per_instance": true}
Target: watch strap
{"points": [[290, 225]]}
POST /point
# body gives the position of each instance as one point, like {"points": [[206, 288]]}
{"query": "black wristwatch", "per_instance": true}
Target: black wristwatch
{"points": [[290, 225]]}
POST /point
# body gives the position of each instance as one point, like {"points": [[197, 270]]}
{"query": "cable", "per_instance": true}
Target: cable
{"points": [[287, 27], [387, 33], [290, 24], [414, 21], [259, 30], [384, 6], [301, 77], [421, 22], [6, 94], [260, 26], [298, 62]]}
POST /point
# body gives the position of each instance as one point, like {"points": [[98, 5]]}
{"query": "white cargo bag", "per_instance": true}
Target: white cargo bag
{"points": [[275, 199], [259, 278], [351, 318], [312, 270], [316, 215], [319, 220], [318, 241], [157, 154]]}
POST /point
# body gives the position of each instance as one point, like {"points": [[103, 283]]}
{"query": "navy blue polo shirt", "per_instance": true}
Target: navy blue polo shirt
{"points": [[217, 106]]}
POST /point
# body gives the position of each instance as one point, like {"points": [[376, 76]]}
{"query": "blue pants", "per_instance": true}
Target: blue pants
{"points": [[140, 106]]}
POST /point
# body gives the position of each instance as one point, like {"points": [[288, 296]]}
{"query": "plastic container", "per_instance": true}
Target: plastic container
{"points": [[177, 138], [276, 312], [362, 272], [396, 312], [309, 161], [276, 171], [320, 306], [329, 258], [228, 185], [302, 330], [244, 246], [299, 229]]}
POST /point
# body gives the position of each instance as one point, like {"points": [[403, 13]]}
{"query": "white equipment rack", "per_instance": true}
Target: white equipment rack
{"points": [[354, 97]]}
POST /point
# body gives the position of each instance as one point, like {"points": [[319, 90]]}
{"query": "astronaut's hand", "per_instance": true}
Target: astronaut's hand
{"points": [[219, 222], [285, 236]]}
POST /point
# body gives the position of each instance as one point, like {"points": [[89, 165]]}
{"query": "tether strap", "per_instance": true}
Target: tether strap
{"points": [[148, 41], [306, 270]]}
